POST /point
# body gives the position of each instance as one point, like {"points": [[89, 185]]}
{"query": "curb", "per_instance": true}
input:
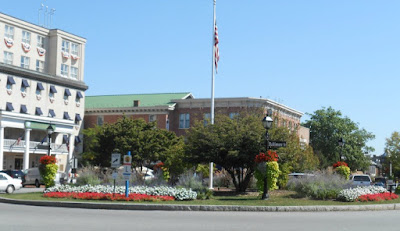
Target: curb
{"points": [[215, 208]]}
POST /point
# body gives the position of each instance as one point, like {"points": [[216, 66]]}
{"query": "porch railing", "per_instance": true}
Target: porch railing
{"points": [[19, 146]]}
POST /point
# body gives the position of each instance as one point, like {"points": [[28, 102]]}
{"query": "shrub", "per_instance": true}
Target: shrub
{"points": [[48, 170], [352, 194], [343, 171], [194, 182], [88, 175], [222, 179], [271, 169], [320, 186]]}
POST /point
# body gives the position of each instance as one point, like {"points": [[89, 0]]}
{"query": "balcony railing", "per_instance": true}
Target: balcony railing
{"points": [[14, 145]]}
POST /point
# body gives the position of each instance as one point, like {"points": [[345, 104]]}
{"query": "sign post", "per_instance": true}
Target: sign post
{"points": [[115, 163], [127, 171], [276, 144]]}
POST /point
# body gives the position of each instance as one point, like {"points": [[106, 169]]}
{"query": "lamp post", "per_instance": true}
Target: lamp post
{"points": [[341, 143], [267, 123], [50, 131]]}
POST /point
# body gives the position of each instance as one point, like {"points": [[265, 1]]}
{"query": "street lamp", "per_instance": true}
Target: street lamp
{"points": [[50, 131], [341, 143], [267, 123]]}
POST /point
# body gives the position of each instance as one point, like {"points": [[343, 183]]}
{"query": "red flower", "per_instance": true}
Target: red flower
{"points": [[266, 157], [339, 163], [377, 197], [158, 166], [47, 160]]}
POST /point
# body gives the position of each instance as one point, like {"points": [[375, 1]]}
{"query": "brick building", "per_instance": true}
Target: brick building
{"points": [[178, 111]]}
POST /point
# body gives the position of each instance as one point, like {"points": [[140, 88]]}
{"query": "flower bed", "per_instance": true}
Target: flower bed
{"points": [[377, 197], [353, 194], [177, 193], [107, 196]]}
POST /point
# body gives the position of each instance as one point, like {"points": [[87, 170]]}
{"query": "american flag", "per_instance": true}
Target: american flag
{"points": [[216, 50]]}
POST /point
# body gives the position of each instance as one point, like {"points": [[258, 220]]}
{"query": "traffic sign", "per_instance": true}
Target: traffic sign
{"points": [[114, 175], [127, 159], [276, 144], [115, 160], [127, 176]]}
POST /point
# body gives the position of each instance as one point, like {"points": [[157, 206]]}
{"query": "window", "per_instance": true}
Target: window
{"points": [[152, 118], [67, 93], [40, 41], [39, 89], [207, 117], [100, 120], [64, 70], [26, 37], [9, 107], [23, 110], [184, 120], [24, 85], [10, 82], [25, 62], [51, 113], [39, 66], [74, 72], [8, 57], [52, 91], [9, 32], [65, 46], [74, 48], [233, 115], [38, 111], [77, 118], [79, 96]]}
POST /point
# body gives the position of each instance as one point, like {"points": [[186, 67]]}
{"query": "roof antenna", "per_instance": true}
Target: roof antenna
{"points": [[51, 16], [39, 12]]}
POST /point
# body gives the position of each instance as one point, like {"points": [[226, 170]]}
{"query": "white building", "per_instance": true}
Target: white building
{"points": [[41, 84]]}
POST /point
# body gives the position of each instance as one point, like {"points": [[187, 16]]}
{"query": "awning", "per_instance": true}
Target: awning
{"points": [[38, 111], [77, 140], [79, 95], [23, 109], [40, 87], [9, 107], [53, 89], [25, 83], [65, 139], [51, 113], [10, 80], [78, 118], [67, 92], [66, 116]]}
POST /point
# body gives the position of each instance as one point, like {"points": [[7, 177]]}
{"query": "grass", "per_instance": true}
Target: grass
{"points": [[277, 198]]}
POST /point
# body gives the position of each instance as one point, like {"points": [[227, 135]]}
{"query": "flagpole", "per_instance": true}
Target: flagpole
{"points": [[212, 88]]}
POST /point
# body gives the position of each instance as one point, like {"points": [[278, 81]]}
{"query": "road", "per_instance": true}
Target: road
{"points": [[22, 217]]}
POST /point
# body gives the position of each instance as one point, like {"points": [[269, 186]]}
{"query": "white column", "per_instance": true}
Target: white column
{"points": [[1, 147], [70, 156], [26, 153]]}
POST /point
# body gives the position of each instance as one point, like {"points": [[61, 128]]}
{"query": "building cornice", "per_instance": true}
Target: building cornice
{"points": [[129, 110], [233, 102], [42, 77]]}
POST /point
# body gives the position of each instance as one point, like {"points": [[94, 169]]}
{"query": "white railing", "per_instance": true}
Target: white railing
{"points": [[20, 146]]}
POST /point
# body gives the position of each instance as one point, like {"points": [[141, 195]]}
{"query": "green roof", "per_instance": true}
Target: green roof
{"points": [[120, 101]]}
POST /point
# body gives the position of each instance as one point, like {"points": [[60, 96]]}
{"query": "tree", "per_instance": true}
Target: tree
{"points": [[392, 149], [327, 126], [147, 143], [230, 143]]}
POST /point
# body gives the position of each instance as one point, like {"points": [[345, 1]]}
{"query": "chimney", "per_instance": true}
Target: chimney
{"points": [[136, 103]]}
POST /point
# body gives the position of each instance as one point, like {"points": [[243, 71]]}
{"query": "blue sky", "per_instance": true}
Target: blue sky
{"points": [[304, 54]]}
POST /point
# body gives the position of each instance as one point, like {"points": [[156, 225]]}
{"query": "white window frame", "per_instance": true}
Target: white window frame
{"points": [[75, 49], [40, 41], [7, 59], [65, 46], [25, 62], [9, 31], [74, 72], [64, 70], [152, 118], [233, 115], [184, 121], [39, 65], [100, 120], [26, 37], [207, 118]]}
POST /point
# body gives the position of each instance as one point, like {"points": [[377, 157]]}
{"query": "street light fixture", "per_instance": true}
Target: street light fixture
{"points": [[341, 143], [50, 131], [267, 123]]}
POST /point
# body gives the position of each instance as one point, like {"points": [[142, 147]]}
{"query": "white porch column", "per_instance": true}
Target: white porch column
{"points": [[70, 156], [1, 147], [26, 153]]}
